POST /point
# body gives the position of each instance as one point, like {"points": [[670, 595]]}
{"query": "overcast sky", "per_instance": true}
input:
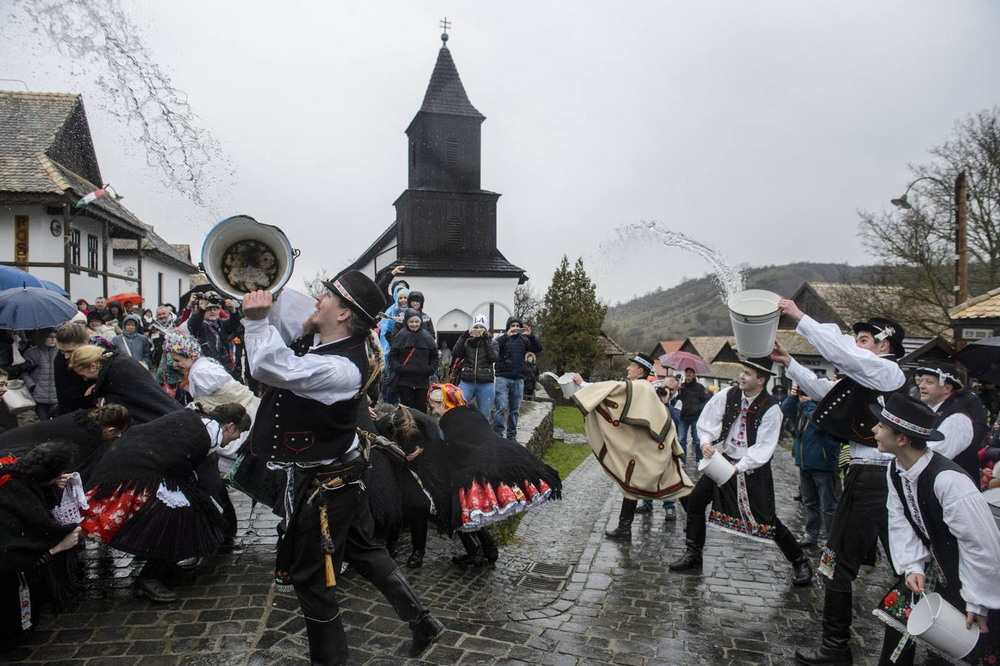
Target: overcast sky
{"points": [[757, 127]]}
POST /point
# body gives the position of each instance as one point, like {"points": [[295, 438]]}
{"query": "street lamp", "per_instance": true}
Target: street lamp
{"points": [[961, 287]]}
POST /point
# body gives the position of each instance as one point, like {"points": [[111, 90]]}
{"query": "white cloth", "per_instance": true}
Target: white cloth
{"points": [[326, 379], [747, 458], [968, 518], [67, 512], [206, 377], [957, 431], [866, 368]]}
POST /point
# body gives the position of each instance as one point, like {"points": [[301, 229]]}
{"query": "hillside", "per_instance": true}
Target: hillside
{"points": [[694, 307]]}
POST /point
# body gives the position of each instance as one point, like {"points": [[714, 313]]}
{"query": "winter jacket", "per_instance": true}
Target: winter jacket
{"points": [[813, 448], [511, 350], [136, 344], [478, 356], [42, 378], [530, 377], [413, 357], [693, 397], [216, 339], [393, 323], [425, 318]]}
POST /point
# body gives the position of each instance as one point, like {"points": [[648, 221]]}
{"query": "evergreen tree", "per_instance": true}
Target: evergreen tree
{"points": [[571, 320]]}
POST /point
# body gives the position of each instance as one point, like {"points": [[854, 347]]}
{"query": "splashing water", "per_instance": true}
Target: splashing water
{"points": [[136, 90], [728, 278]]}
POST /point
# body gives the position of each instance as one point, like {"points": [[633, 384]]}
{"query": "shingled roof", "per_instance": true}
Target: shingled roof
{"points": [[445, 92], [984, 306], [154, 245], [47, 155]]}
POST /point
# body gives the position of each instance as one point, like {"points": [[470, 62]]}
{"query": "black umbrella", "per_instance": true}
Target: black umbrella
{"points": [[982, 359]]}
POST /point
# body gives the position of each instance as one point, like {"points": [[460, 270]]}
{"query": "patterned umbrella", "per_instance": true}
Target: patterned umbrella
{"points": [[679, 360], [29, 308]]}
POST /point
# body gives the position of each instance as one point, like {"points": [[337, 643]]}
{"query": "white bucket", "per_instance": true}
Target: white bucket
{"points": [[717, 468], [567, 385], [942, 625], [754, 315]]}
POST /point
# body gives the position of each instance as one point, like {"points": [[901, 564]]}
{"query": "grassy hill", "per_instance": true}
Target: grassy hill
{"points": [[694, 307]]}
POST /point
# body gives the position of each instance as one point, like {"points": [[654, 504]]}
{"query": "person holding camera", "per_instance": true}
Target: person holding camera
{"points": [[474, 355], [512, 346], [214, 334]]}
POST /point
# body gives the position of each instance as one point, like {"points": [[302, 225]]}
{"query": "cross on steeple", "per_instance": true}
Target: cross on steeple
{"points": [[445, 24]]}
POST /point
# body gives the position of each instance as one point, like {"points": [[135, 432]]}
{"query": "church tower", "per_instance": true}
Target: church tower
{"points": [[447, 222], [445, 232]]}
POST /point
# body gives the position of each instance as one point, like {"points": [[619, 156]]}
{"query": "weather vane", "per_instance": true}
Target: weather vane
{"points": [[445, 24]]}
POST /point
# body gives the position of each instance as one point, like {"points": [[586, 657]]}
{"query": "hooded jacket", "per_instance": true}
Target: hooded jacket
{"points": [[511, 350], [135, 344], [425, 318], [813, 449], [393, 323], [478, 356], [42, 377], [414, 355]]}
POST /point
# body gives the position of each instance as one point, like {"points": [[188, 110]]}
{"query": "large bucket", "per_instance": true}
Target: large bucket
{"points": [[942, 625], [567, 385], [717, 468], [754, 314]]}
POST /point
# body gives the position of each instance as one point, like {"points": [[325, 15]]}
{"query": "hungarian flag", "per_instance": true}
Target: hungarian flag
{"points": [[105, 191]]}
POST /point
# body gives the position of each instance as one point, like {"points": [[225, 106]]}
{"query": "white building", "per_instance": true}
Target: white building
{"points": [[47, 164]]}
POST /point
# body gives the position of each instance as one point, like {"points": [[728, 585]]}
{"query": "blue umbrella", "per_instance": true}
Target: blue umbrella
{"points": [[52, 286], [29, 308], [11, 277]]}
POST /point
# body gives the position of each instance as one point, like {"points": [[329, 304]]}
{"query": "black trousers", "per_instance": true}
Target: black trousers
{"points": [[700, 499], [415, 398], [352, 534], [861, 520]]}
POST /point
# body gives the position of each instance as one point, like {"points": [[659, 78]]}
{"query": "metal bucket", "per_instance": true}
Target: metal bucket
{"points": [[754, 315]]}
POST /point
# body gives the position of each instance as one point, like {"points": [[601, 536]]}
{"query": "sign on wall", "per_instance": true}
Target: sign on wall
{"points": [[21, 235]]}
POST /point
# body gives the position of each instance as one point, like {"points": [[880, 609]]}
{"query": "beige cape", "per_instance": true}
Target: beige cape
{"points": [[634, 439]]}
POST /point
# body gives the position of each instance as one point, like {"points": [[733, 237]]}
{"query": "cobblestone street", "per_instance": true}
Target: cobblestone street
{"points": [[561, 594]]}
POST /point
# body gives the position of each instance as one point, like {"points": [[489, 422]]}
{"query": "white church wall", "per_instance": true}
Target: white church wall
{"points": [[468, 294]]}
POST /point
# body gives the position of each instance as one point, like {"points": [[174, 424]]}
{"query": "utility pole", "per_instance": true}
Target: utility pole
{"points": [[961, 239]]}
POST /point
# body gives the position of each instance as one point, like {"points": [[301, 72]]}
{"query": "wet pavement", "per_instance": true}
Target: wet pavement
{"points": [[561, 594]]}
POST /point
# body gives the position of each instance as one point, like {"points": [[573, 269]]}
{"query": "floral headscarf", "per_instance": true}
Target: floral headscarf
{"points": [[448, 394], [181, 345]]}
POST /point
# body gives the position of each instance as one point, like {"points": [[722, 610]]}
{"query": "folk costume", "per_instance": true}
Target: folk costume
{"points": [[632, 434], [78, 427], [744, 430], [961, 419], [308, 422], [843, 412], [123, 381], [29, 574], [941, 527]]}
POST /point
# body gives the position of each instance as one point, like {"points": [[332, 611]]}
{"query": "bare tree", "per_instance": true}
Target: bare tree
{"points": [[916, 247], [527, 303]]}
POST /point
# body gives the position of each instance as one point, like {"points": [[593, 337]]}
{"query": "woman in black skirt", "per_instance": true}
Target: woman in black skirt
{"points": [[122, 380]]}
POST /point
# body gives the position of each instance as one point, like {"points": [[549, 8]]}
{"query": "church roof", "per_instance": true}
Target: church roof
{"points": [[445, 92], [984, 306]]}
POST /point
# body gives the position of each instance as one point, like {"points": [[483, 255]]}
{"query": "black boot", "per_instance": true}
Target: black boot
{"points": [[691, 559], [425, 628], [625, 517], [906, 656], [836, 645], [327, 642], [802, 573], [790, 548], [488, 546], [416, 559], [473, 556]]}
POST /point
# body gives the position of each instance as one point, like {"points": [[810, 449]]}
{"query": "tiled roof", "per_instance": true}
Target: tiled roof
{"points": [[611, 348], [708, 346], [670, 346], [154, 244], [724, 370], [29, 124], [984, 306], [445, 92]]}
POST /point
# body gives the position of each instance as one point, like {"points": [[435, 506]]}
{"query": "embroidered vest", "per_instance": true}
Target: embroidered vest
{"points": [[734, 404], [843, 412], [939, 539], [290, 428], [967, 459]]}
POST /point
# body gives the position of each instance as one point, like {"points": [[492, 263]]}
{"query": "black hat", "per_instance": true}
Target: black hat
{"points": [[884, 329], [641, 360], [908, 416], [760, 364], [94, 315], [945, 372], [360, 293]]}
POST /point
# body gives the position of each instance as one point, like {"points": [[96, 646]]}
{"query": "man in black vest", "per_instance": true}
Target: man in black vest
{"points": [[961, 417], [937, 516], [869, 368], [308, 423], [743, 424]]}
